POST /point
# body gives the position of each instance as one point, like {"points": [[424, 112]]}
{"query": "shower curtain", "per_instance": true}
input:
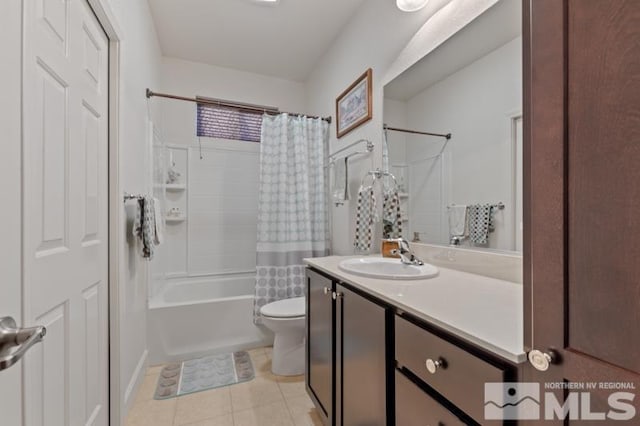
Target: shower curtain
{"points": [[293, 216]]}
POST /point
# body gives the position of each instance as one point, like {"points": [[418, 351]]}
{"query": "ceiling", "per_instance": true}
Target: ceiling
{"points": [[497, 26], [285, 40]]}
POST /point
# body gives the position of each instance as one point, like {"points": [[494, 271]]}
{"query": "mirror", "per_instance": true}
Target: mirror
{"points": [[466, 190]]}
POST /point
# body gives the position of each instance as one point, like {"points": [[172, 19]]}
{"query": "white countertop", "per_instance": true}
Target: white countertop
{"points": [[484, 311]]}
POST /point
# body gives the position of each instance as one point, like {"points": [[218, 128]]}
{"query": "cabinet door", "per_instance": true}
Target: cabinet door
{"points": [[361, 360], [320, 338], [582, 127]]}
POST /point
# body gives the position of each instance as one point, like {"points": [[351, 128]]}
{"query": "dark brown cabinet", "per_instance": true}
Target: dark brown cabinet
{"points": [[347, 366], [320, 370], [361, 360], [414, 407]]}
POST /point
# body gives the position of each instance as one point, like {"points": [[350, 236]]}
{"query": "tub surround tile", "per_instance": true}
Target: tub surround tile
{"points": [[275, 414], [203, 405]]}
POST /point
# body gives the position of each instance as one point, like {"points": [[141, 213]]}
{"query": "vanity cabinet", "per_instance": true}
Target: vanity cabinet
{"points": [[347, 364], [370, 363], [320, 371], [448, 370]]}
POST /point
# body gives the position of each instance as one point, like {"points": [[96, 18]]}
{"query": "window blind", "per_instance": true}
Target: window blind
{"points": [[229, 123]]}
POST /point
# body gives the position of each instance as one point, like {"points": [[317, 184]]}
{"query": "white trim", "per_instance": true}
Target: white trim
{"points": [[136, 379], [106, 17], [513, 116]]}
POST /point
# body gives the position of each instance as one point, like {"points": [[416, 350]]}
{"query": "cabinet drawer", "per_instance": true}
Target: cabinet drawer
{"points": [[415, 408], [460, 376]]}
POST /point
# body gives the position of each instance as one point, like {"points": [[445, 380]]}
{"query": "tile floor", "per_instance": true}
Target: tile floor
{"points": [[267, 400]]}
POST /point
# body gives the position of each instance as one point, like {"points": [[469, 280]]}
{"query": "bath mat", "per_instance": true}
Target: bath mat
{"points": [[204, 373]]}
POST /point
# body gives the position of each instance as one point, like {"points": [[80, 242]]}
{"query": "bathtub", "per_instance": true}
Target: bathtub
{"points": [[192, 318]]}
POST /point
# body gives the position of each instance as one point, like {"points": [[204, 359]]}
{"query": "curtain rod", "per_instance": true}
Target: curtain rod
{"points": [[245, 107], [416, 132]]}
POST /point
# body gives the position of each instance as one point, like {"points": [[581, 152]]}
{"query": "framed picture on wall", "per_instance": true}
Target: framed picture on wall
{"points": [[354, 105]]}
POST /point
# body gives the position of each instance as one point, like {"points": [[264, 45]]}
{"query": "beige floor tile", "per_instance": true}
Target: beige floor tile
{"points": [[303, 411], [203, 405], [261, 365], [259, 391], [226, 420], [256, 351], [154, 369], [268, 350], [275, 414], [152, 413], [147, 388], [292, 386]]}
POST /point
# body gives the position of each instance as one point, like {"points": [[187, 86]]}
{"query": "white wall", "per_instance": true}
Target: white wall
{"points": [[192, 79], [374, 38], [220, 233], [474, 104], [140, 62]]}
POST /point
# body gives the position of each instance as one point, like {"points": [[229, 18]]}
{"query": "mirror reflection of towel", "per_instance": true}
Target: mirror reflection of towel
{"points": [[457, 220], [340, 191], [480, 222], [391, 216]]}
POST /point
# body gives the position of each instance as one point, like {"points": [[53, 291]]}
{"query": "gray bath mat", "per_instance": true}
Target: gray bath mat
{"points": [[204, 373]]}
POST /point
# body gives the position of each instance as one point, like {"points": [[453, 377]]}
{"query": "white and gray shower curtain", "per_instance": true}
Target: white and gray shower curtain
{"points": [[293, 216]]}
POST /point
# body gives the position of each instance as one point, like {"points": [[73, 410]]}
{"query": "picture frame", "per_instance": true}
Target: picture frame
{"points": [[354, 106]]}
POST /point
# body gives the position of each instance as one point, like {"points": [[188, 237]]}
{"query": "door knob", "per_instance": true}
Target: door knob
{"points": [[15, 342], [326, 290], [336, 295], [541, 360]]}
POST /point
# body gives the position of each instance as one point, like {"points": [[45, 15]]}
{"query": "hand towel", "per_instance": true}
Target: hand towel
{"points": [[341, 181], [457, 220], [480, 222], [391, 216], [365, 216], [144, 226]]}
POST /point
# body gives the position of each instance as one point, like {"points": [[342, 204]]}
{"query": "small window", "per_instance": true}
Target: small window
{"points": [[227, 121]]}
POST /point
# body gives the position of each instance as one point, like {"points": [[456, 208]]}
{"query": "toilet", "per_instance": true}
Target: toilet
{"points": [[286, 318]]}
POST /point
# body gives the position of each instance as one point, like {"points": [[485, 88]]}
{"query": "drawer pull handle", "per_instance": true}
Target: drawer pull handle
{"points": [[434, 366], [542, 360]]}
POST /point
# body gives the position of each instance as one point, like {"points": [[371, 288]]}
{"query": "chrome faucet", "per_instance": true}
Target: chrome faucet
{"points": [[456, 240], [406, 255]]}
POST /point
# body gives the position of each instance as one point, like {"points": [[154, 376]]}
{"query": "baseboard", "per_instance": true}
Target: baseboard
{"points": [[134, 383]]}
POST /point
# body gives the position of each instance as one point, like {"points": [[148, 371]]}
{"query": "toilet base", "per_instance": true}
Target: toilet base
{"points": [[288, 354]]}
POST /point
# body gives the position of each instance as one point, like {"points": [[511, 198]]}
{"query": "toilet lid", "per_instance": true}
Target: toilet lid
{"points": [[287, 308]]}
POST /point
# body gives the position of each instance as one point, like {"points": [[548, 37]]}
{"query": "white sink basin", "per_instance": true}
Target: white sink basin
{"points": [[381, 267]]}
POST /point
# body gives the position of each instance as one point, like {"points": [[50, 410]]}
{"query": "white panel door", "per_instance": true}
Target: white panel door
{"points": [[65, 214]]}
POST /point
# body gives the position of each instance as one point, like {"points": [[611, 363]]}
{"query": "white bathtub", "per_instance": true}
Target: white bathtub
{"points": [[192, 318]]}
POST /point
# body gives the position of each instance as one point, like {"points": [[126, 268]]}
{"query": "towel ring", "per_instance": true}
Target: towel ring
{"points": [[376, 175]]}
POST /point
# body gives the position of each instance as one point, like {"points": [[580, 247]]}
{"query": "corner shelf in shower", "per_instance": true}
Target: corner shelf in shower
{"points": [[175, 219], [176, 187]]}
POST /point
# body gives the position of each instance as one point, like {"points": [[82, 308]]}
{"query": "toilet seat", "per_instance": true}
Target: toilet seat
{"points": [[288, 308]]}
